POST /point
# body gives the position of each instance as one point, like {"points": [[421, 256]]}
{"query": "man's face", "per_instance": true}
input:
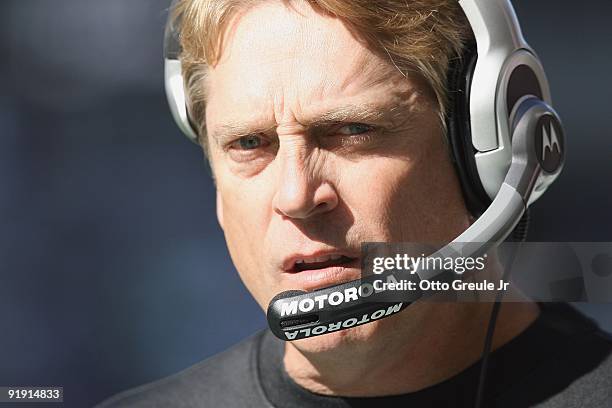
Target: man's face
{"points": [[319, 144]]}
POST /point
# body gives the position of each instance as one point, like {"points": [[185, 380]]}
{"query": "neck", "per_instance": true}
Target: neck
{"points": [[422, 346]]}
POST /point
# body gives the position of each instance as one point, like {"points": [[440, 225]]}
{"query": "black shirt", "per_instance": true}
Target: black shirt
{"points": [[561, 360]]}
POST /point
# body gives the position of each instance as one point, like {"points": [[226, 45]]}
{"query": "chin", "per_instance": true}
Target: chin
{"points": [[345, 340]]}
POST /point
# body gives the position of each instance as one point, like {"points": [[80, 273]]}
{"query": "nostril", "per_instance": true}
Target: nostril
{"points": [[304, 204], [325, 198], [322, 206]]}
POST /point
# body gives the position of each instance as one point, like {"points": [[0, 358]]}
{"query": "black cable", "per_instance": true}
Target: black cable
{"points": [[518, 237], [487, 349]]}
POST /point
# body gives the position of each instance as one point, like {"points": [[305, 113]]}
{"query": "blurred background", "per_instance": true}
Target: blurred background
{"points": [[111, 261]]}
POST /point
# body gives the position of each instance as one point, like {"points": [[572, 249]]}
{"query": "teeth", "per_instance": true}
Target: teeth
{"points": [[319, 259]]}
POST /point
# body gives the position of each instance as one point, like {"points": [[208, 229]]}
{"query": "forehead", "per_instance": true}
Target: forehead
{"points": [[286, 59]]}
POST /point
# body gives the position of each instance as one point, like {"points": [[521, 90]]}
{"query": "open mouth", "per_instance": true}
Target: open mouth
{"points": [[321, 262]]}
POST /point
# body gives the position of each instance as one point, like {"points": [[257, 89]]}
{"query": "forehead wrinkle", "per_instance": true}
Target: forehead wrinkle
{"points": [[370, 77], [391, 112]]}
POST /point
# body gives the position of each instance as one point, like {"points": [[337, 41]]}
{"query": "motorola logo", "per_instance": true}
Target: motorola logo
{"points": [[549, 143]]}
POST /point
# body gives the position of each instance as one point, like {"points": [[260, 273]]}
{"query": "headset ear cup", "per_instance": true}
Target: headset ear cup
{"points": [[459, 135]]}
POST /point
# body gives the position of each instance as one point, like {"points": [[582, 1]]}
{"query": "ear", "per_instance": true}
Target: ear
{"points": [[219, 210]]}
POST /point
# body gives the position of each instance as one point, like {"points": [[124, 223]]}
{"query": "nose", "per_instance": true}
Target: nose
{"points": [[302, 190]]}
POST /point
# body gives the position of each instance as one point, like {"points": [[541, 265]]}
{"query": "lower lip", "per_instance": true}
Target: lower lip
{"points": [[312, 279]]}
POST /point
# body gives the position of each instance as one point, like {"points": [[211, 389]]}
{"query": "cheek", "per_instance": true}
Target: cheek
{"points": [[245, 217], [430, 208], [375, 191], [410, 198], [244, 202], [245, 213]]}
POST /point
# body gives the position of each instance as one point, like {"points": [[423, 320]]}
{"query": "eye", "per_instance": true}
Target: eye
{"points": [[354, 129], [249, 142]]}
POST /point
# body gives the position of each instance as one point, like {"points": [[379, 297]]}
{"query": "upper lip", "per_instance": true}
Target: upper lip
{"points": [[289, 262]]}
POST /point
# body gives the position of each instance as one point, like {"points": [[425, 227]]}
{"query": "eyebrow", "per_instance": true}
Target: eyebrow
{"points": [[231, 130], [346, 113], [352, 113]]}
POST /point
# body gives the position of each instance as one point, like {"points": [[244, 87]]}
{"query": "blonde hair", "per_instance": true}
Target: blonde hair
{"points": [[421, 36]]}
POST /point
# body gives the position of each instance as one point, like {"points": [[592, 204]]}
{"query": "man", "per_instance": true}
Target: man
{"points": [[323, 122]]}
